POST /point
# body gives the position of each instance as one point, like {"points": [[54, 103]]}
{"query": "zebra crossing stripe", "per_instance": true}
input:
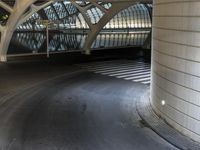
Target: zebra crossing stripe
{"points": [[147, 82], [137, 77], [117, 68], [128, 72], [111, 63], [114, 71], [113, 66], [134, 73], [100, 62], [121, 70], [107, 63], [142, 79]]}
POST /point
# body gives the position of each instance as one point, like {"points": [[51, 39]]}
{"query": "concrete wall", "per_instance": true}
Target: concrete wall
{"points": [[176, 64]]}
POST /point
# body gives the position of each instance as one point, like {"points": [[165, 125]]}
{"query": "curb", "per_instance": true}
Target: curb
{"points": [[159, 126]]}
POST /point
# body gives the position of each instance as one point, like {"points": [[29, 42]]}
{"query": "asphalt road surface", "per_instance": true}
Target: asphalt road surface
{"points": [[78, 111]]}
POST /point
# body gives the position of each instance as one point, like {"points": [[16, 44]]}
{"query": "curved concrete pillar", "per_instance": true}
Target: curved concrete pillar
{"points": [[175, 90]]}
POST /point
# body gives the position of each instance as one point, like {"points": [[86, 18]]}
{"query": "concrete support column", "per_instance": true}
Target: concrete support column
{"points": [[175, 90], [6, 33], [6, 36]]}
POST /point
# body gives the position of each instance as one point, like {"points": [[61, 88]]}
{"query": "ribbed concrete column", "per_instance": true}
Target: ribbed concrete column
{"points": [[176, 64]]}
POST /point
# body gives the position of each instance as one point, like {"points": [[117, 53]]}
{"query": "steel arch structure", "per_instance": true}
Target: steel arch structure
{"points": [[17, 11]]}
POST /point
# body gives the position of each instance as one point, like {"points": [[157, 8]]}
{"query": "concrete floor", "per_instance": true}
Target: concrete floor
{"points": [[77, 111]]}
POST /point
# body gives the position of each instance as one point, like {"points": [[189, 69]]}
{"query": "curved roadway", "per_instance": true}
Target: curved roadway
{"points": [[78, 111]]}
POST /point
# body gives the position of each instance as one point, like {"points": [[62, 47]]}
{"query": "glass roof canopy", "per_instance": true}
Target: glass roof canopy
{"points": [[129, 28], [136, 16]]}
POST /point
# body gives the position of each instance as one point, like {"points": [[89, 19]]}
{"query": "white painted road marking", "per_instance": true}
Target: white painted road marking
{"points": [[135, 71]]}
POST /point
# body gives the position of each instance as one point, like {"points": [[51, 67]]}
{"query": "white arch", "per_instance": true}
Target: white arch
{"points": [[96, 29], [7, 31]]}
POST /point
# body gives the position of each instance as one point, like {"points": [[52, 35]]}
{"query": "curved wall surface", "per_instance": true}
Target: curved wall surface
{"points": [[176, 64]]}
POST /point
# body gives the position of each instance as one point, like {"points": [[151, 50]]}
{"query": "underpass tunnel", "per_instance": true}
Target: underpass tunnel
{"points": [[85, 75]]}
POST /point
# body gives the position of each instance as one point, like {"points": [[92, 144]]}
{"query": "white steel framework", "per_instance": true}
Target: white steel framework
{"points": [[21, 10]]}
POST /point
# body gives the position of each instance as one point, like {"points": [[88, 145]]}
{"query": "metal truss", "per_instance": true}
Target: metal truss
{"points": [[18, 11]]}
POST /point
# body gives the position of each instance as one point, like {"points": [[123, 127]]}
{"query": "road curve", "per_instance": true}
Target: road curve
{"points": [[80, 111]]}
